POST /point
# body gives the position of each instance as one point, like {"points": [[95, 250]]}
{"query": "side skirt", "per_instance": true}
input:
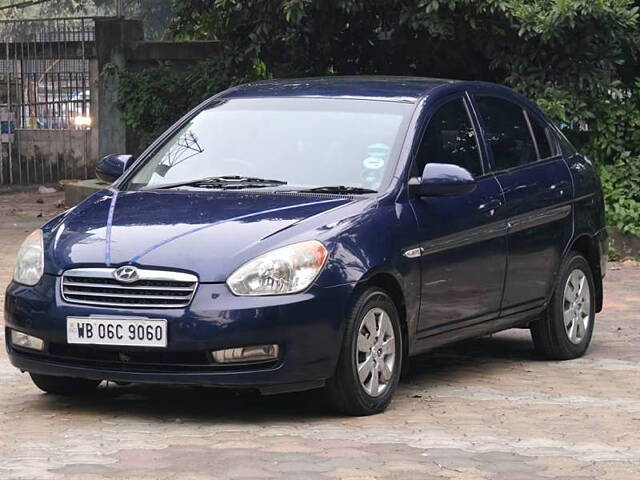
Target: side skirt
{"points": [[514, 320]]}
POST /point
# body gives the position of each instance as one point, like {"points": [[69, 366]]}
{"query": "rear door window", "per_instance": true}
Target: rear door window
{"points": [[546, 139], [507, 132]]}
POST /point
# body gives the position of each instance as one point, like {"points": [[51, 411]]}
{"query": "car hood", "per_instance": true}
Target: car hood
{"points": [[209, 233]]}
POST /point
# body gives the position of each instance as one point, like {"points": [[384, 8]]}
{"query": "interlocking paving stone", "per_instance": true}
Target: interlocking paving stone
{"points": [[486, 409]]}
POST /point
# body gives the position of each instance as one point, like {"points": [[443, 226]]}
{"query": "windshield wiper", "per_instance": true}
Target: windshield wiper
{"points": [[223, 182], [340, 189]]}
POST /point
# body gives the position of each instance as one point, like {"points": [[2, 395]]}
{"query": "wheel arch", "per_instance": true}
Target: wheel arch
{"points": [[392, 286], [587, 245]]}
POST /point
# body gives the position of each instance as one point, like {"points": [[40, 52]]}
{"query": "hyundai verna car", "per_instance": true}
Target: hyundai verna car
{"points": [[299, 234]]}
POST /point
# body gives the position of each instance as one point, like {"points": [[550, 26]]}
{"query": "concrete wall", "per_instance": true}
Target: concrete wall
{"points": [[44, 156]]}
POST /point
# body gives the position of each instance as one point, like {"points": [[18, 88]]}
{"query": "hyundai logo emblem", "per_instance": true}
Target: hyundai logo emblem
{"points": [[126, 274]]}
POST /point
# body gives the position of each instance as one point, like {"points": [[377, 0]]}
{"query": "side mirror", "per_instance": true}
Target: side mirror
{"points": [[113, 166], [441, 180]]}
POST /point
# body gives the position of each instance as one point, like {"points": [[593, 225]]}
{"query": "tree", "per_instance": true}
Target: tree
{"points": [[154, 13], [577, 44]]}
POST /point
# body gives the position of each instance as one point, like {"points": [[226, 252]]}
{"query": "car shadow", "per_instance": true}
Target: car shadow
{"points": [[221, 405], [491, 353]]}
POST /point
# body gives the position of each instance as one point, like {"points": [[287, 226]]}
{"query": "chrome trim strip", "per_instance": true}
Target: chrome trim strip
{"points": [[159, 275], [128, 305], [126, 286], [126, 295]]}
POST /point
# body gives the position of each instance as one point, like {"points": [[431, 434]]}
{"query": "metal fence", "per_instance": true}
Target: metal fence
{"points": [[45, 84]]}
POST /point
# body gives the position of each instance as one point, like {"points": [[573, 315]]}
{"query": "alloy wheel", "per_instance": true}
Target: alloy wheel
{"points": [[375, 352], [576, 306]]}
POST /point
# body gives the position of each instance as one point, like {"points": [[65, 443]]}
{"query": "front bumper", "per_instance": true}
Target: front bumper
{"points": [[308, 327]]}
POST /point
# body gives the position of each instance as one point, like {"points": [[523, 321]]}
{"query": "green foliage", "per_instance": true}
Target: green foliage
{"points": [[527, 43], [615, 146], [576, 58], [154, 98], [621, 186]]}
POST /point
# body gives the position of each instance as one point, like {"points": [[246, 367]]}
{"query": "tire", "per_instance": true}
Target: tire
{"points": [[346, 392], [64, 385], [550, 336]]}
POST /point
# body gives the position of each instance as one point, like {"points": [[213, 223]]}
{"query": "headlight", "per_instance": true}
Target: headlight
{"points": [[30, 261], [289, 269]]}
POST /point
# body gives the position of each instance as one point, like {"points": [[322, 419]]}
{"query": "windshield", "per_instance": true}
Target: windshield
{"points": [[306, 143]]}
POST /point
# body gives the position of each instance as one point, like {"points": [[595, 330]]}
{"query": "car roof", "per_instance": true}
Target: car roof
{"points": [[399, 89]]}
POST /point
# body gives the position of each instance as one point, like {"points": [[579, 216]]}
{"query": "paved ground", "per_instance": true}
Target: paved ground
{"points": [[485, 409]]}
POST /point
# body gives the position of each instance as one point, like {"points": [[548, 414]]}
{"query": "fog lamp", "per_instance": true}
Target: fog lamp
{"points": [[23, 340], [252, 354]]}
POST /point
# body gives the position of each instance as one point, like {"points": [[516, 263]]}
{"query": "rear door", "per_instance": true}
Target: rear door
{"points": [[537, 187]]}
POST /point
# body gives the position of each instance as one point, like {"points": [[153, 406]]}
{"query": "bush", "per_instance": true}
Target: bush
{"points": [[621, 186], [614, 143], [154, 98]]}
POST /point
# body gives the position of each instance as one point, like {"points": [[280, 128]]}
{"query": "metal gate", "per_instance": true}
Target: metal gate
{"points": [[45, 99]]}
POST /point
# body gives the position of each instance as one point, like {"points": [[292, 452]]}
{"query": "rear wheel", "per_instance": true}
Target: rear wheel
{"points": [[64, 385], [565, 330], [371, 359]]}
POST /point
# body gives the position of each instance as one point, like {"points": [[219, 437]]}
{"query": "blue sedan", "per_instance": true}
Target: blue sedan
{"points": [[315, 233]]}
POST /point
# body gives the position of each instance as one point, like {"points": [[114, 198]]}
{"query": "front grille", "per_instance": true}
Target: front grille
{"points": [[153, 288]]}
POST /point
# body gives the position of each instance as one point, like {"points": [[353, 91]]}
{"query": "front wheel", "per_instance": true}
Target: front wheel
{"points": [[565, 330], [64, 385], [371, 358]]}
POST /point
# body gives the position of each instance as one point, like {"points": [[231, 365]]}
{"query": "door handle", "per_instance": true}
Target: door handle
{"points": [[559, 187], [490, 207]]}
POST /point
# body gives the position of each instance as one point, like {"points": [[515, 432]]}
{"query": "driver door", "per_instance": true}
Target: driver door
{"points": [[462, 237]]}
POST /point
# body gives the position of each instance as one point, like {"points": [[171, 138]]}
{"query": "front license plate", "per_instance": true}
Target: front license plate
{"points": [[133, 332]]}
